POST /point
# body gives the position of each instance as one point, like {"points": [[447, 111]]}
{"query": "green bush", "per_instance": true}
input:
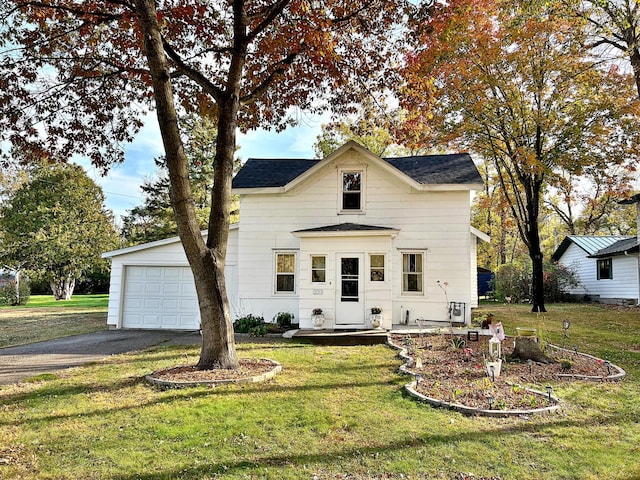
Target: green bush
{"points": [[284, 319], [514, 281], [246, 323], [258, 330], [9, 296]]}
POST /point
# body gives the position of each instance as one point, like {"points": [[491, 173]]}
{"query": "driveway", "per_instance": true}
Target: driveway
{"points": [[17, 363]]}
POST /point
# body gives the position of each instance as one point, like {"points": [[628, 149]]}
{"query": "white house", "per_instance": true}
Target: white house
{"points": [[607, 267], [343, 234]]}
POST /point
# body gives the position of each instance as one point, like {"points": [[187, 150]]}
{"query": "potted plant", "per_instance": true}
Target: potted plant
{"points": [[317, 318], [376, 317]]}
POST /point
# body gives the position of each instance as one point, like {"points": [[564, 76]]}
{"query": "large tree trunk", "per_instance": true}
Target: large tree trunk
{"points": [[532, 232], [62, 287], [206, 261]]}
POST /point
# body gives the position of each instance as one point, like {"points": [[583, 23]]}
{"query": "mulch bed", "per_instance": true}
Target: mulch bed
{"points": [[458, 374], [248, 368]]}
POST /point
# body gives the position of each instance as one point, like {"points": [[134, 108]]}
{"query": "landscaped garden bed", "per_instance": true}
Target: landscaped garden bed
{"points": [[451, 370]]}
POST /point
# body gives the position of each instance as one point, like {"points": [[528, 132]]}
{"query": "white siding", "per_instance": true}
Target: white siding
{"points": [[437, 222], [623, 285], [166, 255]]}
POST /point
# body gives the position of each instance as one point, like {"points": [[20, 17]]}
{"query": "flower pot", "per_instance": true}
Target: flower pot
{"points": [[526, 331], [376, 320], [317, 320]]}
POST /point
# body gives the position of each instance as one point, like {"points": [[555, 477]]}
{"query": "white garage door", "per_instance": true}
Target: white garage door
{"points": [[160, 297]]}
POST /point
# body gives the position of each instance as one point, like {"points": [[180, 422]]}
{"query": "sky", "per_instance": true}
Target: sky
{"points": [[121, 185]]}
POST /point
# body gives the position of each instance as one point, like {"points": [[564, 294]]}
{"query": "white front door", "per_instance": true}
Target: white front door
{"points": [[350, 291]]}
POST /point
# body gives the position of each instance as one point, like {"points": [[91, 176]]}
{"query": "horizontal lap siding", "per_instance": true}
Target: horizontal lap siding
{"points": [[437, 221], [624, 283]]}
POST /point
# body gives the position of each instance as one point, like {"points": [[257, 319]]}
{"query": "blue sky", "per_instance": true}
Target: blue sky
{"points": [[121, 185]]}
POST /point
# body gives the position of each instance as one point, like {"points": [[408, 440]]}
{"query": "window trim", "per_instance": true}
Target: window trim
{"points": [[311, 269], [277, 253], [345, 170], [419, 293], [599, 265]]}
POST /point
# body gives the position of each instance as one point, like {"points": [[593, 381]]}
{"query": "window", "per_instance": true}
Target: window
{"points": [[352, 191], [605, 272], [376, 268], [412, 273], [318, 269], [285, 272]]}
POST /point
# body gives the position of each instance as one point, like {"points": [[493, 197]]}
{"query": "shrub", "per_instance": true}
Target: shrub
{"points": [[557, 280], [512, 281], [246, 323], [284, 319], [566, 364], [10, 297], [258, 330]]}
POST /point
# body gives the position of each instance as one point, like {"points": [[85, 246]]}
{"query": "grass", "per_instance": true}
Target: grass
{"points": [[334, 412], [43, 319]]}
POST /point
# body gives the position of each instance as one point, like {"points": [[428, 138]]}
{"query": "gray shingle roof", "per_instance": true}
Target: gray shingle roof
{"points": [[435, 169], [618, 248], [455, 168], [257, 173], [591, 244]]}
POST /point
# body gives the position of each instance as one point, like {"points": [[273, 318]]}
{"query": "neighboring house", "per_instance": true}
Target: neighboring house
{"points": [[607, 267], [344, 234]]}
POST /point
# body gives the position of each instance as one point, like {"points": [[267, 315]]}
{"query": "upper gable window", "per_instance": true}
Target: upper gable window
{"points": [[352, 191]]}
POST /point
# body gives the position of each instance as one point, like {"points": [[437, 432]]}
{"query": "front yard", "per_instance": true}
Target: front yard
{"points": [[44, 319], [334, 412]]}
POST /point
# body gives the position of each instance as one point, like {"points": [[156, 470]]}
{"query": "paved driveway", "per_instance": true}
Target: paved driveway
{"points": [[17, 363]]}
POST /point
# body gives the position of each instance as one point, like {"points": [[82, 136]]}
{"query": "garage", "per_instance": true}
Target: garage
{"points": [[159, 297], [152, 286]]}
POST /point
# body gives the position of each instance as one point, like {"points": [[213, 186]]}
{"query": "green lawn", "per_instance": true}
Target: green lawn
{"points": [[43, 319], [77, 301], [334, 412]]}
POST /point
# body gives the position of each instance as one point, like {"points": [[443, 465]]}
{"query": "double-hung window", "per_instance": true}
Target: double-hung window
{"points": [[285, 272], [412, 273], [318, 269], [376, 267], [352, 191]]}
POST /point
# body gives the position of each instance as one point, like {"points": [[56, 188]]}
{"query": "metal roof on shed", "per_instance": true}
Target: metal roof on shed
{"points": [[591, 244]]}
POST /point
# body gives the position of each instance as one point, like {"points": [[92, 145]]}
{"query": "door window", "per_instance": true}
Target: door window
{"points": [[350, 269]]}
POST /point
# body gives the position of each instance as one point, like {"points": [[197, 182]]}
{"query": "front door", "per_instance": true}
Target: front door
{"points": [[349, 295]]}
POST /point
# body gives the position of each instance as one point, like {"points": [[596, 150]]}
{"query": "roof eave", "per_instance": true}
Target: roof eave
{"points": [[257, 190], [154, 244], [431, 187]]}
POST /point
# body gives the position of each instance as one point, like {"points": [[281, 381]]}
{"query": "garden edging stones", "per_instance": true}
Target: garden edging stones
{"points": [[473, 411], [277, 368]]}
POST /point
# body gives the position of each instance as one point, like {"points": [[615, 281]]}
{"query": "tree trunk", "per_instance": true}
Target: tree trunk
{"points": [[634, 57], [527, 348], [206, 261], [62, 287], [532, 232]]}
